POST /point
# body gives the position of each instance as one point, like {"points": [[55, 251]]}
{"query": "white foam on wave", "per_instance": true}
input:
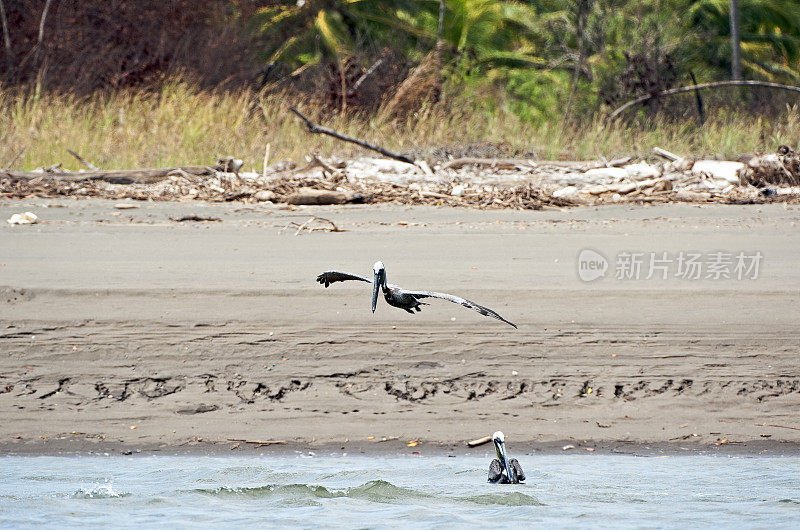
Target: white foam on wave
{"points": [[99, 491]]}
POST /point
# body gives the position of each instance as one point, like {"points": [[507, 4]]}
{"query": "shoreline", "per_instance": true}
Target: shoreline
{"points": [[82, 447]]}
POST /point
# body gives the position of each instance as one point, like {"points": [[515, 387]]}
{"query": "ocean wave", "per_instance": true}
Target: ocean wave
{"points": [[385, 492], [271, 491], [512, 498], [99, 491], [378, 491]]}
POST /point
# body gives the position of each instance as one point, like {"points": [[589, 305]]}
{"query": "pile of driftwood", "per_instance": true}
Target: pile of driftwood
{"points": [[472, 182], [781, 168], [316, 183], [681, 179]]}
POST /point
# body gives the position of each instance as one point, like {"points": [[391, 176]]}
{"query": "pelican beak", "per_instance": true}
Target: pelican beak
{"points": [[376, 285], [500, 446]]}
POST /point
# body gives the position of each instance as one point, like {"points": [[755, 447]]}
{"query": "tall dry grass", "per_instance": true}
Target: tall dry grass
{"points": [[183, 125]]}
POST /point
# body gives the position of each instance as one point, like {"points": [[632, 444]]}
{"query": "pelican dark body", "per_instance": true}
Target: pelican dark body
{"points": [[502, 470], [402, 298]]}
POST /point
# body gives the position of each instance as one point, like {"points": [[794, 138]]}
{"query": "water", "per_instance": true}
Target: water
{"points": [[368, 492]]}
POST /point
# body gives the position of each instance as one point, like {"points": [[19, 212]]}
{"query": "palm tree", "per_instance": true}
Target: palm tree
{"points": [[769, 35], [308, 31], [491, 31]]}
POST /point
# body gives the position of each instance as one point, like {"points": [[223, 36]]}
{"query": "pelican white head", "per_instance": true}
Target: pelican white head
{"points": [[378, 282]]}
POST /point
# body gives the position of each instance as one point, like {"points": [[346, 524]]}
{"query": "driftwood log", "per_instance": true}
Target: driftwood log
{"points": [[257, 442], [313, 196], [479, 441], [672, 157], [496, 163], [514, 163], [122, 176]]}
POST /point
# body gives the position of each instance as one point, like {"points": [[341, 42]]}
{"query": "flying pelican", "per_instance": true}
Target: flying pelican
{"points": [[397, 297], [501, 470]]}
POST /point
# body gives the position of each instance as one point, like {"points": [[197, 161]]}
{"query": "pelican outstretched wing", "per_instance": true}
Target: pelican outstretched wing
{"points": [[329, 277], [485, 311], [495, 471]]}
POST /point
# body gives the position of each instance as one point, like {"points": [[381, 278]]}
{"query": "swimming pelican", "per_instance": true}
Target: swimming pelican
{"points": [[501, 470], [397, 297]]}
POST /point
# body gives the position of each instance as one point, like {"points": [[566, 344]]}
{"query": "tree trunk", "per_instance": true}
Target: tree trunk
{"points": [[736, 43], [440, 44], [6, 38], [582, 16]]}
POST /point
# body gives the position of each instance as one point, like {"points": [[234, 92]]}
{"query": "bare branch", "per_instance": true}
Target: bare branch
{"points": [[83, 161], [34, 51], [317, 129], [266, 160], [361, 79], [14, 160], [306, 226], [43, 20], [701, 86]]}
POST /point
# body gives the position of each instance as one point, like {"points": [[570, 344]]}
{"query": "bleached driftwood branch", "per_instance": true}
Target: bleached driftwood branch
{"points": [[121, 176]]}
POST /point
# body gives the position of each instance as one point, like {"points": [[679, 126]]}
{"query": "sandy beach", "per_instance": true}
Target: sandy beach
{"points": [[125, 330]]}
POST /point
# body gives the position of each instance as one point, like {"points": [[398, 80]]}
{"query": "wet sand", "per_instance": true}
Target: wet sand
{"points": [[123, 330]]}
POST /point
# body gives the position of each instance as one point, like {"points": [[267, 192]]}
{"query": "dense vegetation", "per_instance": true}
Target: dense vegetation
{"points": [[542, 59], [152, 82]]}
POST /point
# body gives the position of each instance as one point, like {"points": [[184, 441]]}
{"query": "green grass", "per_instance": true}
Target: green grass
{"points": [[182, 125]]}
